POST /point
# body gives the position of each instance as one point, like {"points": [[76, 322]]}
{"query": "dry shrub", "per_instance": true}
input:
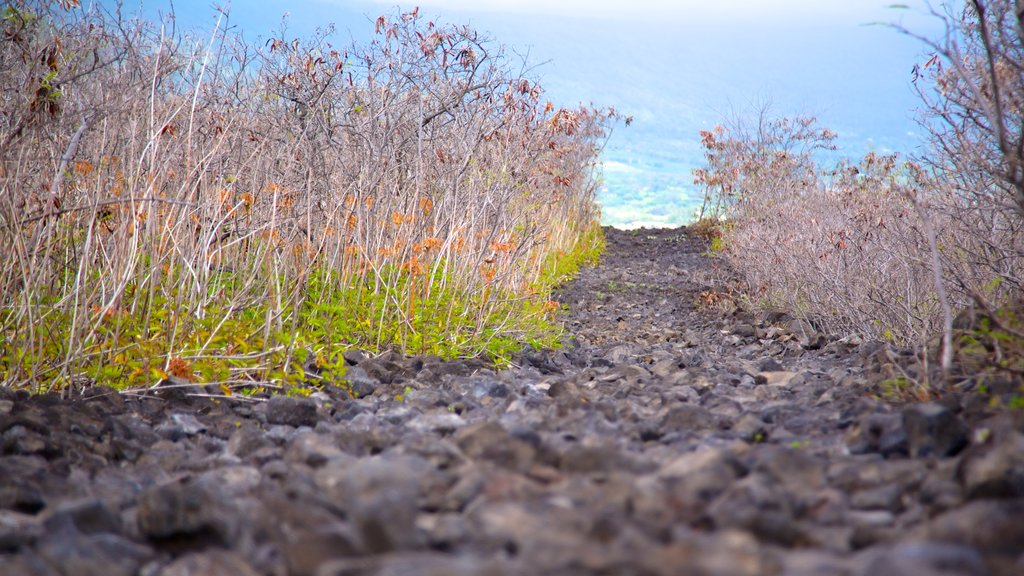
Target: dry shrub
{"points": [[847, 249], [164, 193], [887, 248]]}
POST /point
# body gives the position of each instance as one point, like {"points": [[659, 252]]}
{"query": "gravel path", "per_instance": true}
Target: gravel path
{"points": [[668, 437]]}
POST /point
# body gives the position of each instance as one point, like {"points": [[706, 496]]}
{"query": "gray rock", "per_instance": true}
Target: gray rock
{"points": [[687, 417], [245, 441], [878, 432], [995, 470], [420, 564], [490, 441], [780, 379], [770, 365], [26, 564], [927, 559], [695, 479], [437, 422], [603, 457], [381, 497], [308, 550], [360, 382], [230, 481], [888, 497], [18, 530], [188, 512], [74, 554], [993, 527], [757, 504], [313, 449], [750, 427], [208, 563], [815, 563], [291, 411], [796, 469], [933, 430], [189, 424]]}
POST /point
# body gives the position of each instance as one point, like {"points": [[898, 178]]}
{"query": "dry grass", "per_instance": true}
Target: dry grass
{"points": [[897, 250], [847, 248], [220, 210]]}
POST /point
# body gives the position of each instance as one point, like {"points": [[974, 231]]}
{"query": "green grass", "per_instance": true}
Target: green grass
{"points": [[245, 343]]}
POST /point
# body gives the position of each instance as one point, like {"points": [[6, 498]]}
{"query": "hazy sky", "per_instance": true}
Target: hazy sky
{"points": [[671, 63]]}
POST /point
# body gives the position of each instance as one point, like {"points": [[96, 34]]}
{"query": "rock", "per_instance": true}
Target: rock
{"points": [[732, 552], [687, 417], [490, 441], [995, 470], [926, 559], [814, 342], [721, 448], [244, 442], [992, 527], [815, 563], [313, 449], [18, 531], [421, 564], [74, 554], [933, 430], [380, 496], [183, 515], [756, 504], [360, 382], [564, 389], [781, 379], [208, 563], [747, 331], [940, 494], [605, 457], [693, 480], [86, 516], [878, 432], [308, 550], [751, 428], [27, 564], [437, 422], [794, 468], [188, 424], [291, 411], [888, 497], [230, 481]]}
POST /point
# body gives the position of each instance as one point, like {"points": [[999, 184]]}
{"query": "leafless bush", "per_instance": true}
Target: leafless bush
{"points": [[887, 248], [973, 91], [153, 179]]}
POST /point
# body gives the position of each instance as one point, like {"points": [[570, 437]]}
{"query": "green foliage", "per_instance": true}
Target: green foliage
{"points": [[897, 389], [229, 345]]}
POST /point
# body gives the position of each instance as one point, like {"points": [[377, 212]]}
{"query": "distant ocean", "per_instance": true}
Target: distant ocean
{"points": [[649, 188]]}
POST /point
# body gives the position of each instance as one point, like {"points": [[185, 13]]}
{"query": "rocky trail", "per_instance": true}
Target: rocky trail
{"points": [[671, 436]]}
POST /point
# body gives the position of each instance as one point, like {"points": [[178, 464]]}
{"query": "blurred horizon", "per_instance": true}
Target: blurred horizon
{"points": [[675, 67]]}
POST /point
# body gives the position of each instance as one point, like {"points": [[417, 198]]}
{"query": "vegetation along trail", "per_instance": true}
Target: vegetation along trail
{"points": [[673, 434], [297, 308]]}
